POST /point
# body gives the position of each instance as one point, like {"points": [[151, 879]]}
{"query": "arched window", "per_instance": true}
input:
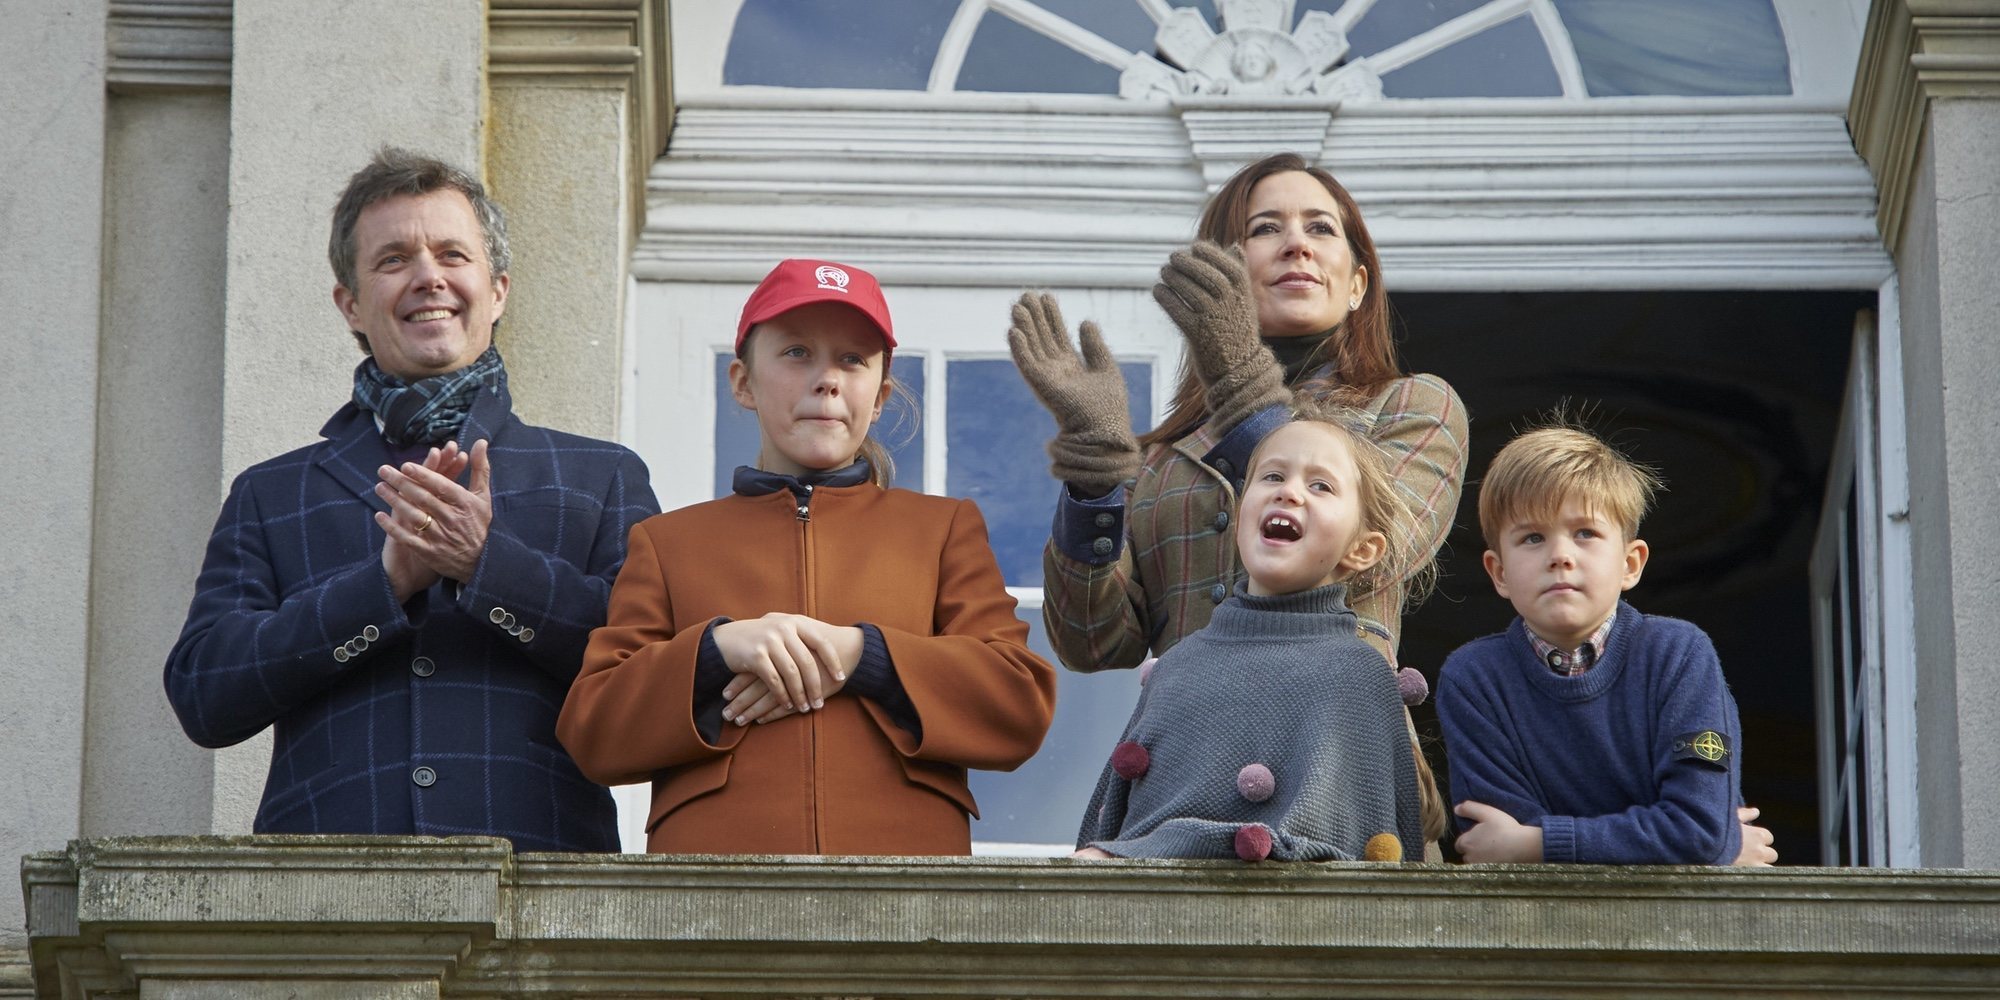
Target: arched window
{"points": [[1349, 49]]}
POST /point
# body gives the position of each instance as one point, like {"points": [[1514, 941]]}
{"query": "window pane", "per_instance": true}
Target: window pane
{"points": [[1042, 802], [1508, 60], [1397, 21], [996, 440], [737, 439], [1690, 47], [813, 43], [1006, 57], [1121, 22]]}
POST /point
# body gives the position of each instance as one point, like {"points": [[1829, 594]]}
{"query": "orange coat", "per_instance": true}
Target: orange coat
{"points": [[838, 780]]}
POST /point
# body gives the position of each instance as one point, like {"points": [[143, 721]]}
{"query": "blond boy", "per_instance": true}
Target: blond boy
{"points": [[1586, 732]]}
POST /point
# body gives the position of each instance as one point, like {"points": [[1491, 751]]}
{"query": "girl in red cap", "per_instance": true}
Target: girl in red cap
{"points": [[809, 665]]}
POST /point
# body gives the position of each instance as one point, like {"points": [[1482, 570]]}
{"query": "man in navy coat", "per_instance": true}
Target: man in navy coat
{"points": [[407, 601]]}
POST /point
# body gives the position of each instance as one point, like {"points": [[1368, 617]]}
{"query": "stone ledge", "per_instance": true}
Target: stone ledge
{"points": [[16, 976], [380, 916]]}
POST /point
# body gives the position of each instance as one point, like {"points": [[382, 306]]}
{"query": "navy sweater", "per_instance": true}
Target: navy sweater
{"points": [[1615, 765]]}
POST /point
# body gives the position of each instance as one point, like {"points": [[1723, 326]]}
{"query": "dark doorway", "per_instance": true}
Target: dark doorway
{"points": [[1734, 397]]}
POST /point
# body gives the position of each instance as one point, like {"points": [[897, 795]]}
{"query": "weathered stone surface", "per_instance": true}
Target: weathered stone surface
{"points": [[16, 977], [396, 917]]}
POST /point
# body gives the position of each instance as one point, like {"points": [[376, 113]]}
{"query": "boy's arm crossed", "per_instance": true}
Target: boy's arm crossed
{"points": [[1693, 817], [1496, 804]]}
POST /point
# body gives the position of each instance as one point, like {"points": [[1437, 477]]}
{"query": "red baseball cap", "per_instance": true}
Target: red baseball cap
{"points": [[798, 281]]}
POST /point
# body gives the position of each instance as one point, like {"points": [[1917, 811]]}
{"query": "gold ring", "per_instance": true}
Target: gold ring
{"points": [[426, 526]]}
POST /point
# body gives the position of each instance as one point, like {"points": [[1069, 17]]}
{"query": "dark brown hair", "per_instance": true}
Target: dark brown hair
{"points": [[397, 172], [1364, 356]]}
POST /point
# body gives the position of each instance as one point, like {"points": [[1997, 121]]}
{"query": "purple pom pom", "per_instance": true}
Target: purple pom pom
{"points": [[1146, 669], [1255, 782], [1130, 760], [1253, 842], [1412, 686]]}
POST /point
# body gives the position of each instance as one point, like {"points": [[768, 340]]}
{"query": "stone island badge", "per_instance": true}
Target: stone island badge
{"points": [[1707, 746]]}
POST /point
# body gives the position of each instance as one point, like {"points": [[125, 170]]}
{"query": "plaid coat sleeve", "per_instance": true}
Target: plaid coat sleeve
{"points": [[1420, 426]]}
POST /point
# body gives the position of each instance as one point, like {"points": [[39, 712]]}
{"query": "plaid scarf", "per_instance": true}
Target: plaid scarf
{"points": [[430, 410]]}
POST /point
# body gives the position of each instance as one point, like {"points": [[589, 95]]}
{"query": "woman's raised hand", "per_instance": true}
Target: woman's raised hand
{"points": [[1093, 448], [1206, 291], [799, 660]]}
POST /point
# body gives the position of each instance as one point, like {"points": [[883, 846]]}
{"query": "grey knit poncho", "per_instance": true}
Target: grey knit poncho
{"points": [[1275, 715]]}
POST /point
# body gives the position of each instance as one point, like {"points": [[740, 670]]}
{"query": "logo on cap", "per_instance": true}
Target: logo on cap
{"points": [[831, 278]]}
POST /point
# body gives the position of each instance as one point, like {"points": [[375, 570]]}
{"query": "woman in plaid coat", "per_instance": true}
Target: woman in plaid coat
{"points": [[1282, 293]]}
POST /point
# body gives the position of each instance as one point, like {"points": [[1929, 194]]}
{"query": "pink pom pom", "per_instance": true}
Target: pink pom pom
{"points": [[1146, 669], [1412, 687], [1253, 842], [1255, 782], [1130, 760]]}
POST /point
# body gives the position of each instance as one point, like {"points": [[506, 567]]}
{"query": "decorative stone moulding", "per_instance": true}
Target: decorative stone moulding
{"points": [[620, 45], [168, 45], [1913, 52], [993, 190], [1255, 55], [374, 917]]}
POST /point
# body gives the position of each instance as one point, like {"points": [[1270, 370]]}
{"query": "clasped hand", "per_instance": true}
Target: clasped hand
{"points": [[784, 663], [1495, 836], [435, 528]]}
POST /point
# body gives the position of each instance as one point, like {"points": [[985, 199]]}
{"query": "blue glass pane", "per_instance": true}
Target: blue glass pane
{"points": [[813, 43], [996, 437], [1395, 21], [1042, 802], [1690, 47], [1006, 57], [737, 439], [1509, 60], [1121, 22], [901, 427]]}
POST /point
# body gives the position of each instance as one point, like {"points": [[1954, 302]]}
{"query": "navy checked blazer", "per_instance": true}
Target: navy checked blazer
{"points": [[433, 717]]}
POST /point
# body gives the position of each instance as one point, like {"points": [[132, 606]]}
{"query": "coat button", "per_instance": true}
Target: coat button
{"points": [[528, 634], [1101, 547], [371, 633], [1105, 520], [1222, 465], [353, 646], [497, 615], [1221, 520], [422, 666], [508, 623], [1217, 593], [360, 644], [340, 654], [515, 629], [424, 777]]}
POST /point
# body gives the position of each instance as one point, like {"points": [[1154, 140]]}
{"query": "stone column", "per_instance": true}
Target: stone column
{"points": [[158, 481], [579, 107], [316, 88], [1926, 116], [51, 253]]}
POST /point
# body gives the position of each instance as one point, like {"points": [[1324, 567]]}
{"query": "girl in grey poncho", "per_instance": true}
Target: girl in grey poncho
{"points": [[1275, 731]]}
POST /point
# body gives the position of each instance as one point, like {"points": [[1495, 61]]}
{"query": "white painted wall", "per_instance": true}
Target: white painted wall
{"points": [[51, 204]]}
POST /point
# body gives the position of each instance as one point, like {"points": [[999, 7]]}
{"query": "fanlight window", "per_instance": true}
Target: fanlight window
{"points": [[1356, 50]]}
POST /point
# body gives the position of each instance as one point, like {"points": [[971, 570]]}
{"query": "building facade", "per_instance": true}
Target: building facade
{"points": [[1758, 235]]}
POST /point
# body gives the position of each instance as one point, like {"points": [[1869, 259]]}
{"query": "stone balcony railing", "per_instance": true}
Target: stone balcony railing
{"points": [[362, 917]]}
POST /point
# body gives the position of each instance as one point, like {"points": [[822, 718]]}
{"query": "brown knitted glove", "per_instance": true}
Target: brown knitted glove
{"points": [[1206, 291], [1093, 448]]}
